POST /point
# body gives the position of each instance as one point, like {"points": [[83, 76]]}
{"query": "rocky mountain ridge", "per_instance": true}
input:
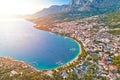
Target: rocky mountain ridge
{"points": [[96, 6], [51, 10]]}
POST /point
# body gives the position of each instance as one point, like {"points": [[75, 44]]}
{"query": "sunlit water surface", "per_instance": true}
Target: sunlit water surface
{"points": [[42, 50]]}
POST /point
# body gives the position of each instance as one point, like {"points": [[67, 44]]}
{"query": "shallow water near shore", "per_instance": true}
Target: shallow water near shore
{"points": [[40, 49]]}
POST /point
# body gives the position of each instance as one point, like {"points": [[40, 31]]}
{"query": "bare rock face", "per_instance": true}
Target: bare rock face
{"points": [[93, 4], [74, 2], [80, 5]]}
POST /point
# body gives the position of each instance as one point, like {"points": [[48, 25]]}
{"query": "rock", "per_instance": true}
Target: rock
{"points": [[93, 4], [77, 9]]}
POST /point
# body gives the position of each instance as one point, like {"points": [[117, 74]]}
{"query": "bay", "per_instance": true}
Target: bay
{"points": [[40, 49]]}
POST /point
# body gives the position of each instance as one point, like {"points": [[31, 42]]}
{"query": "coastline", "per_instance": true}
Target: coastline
{"points": [[20, 61], [56, 68], [67, 64], [75, 59]]}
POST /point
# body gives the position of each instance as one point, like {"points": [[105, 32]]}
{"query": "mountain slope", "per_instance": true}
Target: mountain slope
{"points": [[89, 5], [51, 10], [112, 20], [76, 9]]}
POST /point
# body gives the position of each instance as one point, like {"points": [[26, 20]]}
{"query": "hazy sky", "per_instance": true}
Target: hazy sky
{"points": [[26, 6], [47, 3]]}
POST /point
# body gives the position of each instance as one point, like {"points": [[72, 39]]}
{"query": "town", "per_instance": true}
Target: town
{"points": [[100, 45], [95, 62]]}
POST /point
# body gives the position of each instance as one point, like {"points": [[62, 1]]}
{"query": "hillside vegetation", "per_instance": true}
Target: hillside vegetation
{"points": [[112, 20]]}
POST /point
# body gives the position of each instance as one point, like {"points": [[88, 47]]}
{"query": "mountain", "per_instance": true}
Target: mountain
{"points": [[51, 10], [96, 6], [77, 9]]}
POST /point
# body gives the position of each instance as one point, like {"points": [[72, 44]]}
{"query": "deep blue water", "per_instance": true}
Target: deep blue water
{"points": [[42, 50]]}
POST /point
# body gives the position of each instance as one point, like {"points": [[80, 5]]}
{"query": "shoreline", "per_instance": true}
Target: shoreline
{"points": [[74, 39], [67, 64], [75, 59], [62, 66], [72, 60], [20, 61]]}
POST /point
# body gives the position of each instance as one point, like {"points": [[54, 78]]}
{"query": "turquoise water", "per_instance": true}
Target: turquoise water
{"points": [[42, 50]]}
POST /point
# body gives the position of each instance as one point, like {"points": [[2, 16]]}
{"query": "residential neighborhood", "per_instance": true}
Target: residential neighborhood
{"points": [[97, 42]]}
